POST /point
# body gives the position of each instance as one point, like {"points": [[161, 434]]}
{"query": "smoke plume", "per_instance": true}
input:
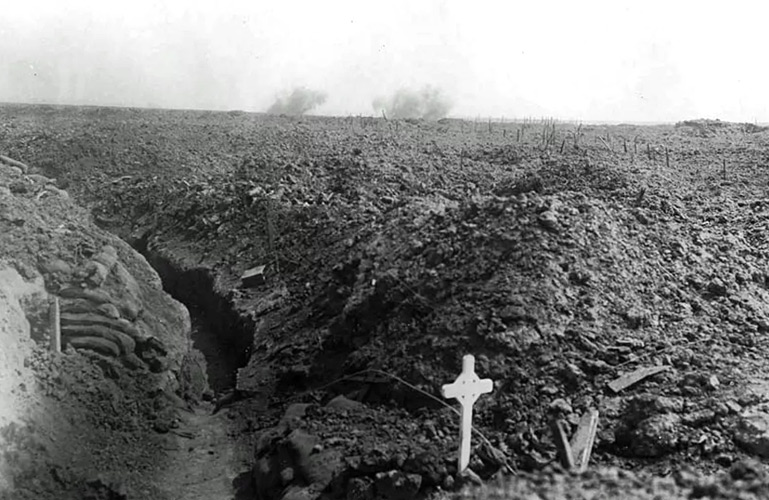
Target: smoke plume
{"points": [[429, 103], [300, 101]]}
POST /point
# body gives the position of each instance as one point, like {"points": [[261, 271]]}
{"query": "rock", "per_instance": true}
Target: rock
{"points": [[99, 488], [560, 406], [636, 317], [397, 485], [341, 403], [100, 345], [656, 436], [751, 433], [301, 445], [646, 405], [156, 362], [572, 373], [294, 411], [724, 459], [253, 277], [712, 383], [548, 220], [360, 488], [299, 493], [717, 288]]}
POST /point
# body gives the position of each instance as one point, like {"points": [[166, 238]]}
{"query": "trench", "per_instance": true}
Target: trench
{"points": [[219, 332]]}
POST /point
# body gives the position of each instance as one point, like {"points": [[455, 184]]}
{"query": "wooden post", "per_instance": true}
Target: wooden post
{"points": [[667, 157], [723, 170], [583, 440], [55, 323], [565, 455]]}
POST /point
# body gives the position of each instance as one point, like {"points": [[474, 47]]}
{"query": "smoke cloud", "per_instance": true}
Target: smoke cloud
{"points": [[429, 103], [301, 100]]}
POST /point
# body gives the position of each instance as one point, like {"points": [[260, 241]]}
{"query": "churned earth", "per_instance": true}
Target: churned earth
{"points": [[562, 256]]}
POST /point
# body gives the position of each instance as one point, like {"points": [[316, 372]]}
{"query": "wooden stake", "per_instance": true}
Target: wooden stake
{"points": [[583, 440], [565, 455], [667, 157], [723, 170], [55, 323]]}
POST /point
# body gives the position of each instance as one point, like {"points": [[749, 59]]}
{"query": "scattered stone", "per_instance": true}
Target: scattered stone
{"points": [[724, 459], [397, 485], [717, 288], [751, 433], [253, 277], [713, 383], [299, 493], [99, 488], [295, 411], [360, 488], [656, 436], [560, 406], [341, 403], [733, 406], [548, 220], [572, 374]]}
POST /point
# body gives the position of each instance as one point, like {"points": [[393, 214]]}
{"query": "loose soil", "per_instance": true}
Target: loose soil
{"points": [[393, 248]]}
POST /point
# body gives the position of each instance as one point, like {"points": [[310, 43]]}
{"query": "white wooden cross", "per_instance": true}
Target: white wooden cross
{"points": [[466, 388]]}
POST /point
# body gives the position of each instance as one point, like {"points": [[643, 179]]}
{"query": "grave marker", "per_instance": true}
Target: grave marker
{"points": [[467, 388]]}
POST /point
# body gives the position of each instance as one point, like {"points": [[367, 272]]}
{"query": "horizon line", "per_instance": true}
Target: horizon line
{"points": [[467, 118]]}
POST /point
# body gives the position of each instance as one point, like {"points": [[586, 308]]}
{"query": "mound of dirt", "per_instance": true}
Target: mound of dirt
{"points": [[390, 250]]}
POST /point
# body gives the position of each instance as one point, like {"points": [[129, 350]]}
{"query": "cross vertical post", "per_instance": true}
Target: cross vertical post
{"points": [[467, 388]]}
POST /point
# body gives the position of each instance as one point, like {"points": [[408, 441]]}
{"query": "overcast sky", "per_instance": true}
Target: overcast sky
{"points": [[589, 60]]}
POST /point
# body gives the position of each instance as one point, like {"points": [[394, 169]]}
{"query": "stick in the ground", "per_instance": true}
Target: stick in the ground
{"points": [[583, 440], [54, 318], [565, 455]]}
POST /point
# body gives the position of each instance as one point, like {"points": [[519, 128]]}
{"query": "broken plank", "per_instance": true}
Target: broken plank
{"points": [[565, 455], [628, 379], [583, 439], [253, 277]]}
